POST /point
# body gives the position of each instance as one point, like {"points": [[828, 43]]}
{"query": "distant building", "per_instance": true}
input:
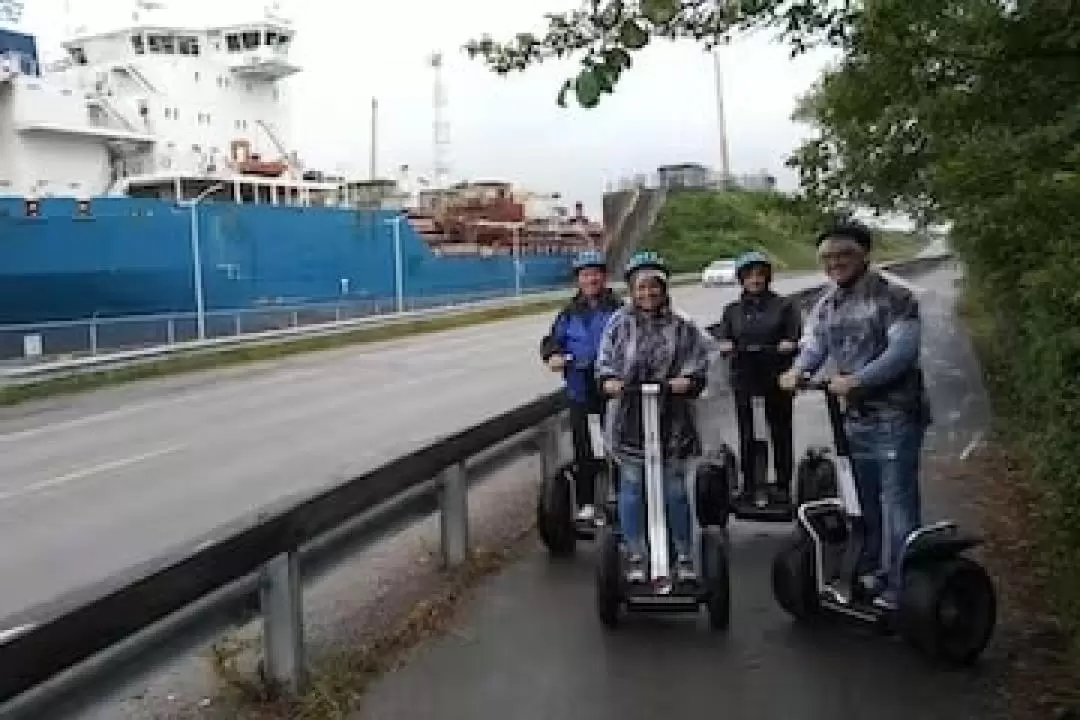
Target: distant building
{"points": [[685, 175]]}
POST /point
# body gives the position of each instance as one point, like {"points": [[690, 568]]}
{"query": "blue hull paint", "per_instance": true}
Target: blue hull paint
{"points": [[133, 256]]}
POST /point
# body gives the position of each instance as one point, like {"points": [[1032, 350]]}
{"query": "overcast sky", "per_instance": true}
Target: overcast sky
{"points": [[664, 110]]}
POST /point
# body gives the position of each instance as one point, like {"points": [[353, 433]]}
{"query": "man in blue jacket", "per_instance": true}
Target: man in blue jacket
{"points": [[571, 347], [870, 331]]}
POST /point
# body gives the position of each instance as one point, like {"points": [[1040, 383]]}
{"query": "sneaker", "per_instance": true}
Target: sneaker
{"points": [[635, 568], [684, 568], [586, 513]]}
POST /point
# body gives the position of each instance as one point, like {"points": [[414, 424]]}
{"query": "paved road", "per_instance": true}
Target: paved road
{"points": [[530, 645], [92, 485]]}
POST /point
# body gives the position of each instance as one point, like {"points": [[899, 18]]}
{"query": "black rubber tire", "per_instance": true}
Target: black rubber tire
{"points": [[815, 479], [609, 579], [794, 582], [716, 571], [555, 513], [948, 611], [712, 498]]}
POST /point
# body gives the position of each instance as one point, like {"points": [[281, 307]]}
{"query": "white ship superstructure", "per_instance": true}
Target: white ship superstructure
{"points": [[157, 109]]}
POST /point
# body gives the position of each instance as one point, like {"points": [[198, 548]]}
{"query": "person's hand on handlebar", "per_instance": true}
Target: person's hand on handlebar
{"points": [[789, 380], [786, 346], [557, 362], [841, 385], [680, 385], [613, 387]]}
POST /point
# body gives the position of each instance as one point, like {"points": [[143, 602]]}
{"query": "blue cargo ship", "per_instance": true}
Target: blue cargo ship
{"points": [[111, 185], [123, 256]]}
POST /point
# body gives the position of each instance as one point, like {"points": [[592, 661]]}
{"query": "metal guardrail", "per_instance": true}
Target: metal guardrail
{"points": [[89, 364], [66, 339], [69, 650]]}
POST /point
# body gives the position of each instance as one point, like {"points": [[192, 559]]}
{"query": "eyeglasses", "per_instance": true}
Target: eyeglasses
{"points": [[845, 254]]}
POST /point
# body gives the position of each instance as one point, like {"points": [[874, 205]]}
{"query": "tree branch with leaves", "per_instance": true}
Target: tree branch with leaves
{"points": [[605, 34]]}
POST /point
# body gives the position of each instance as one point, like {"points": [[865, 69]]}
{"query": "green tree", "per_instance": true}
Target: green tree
{"points": [[604, 34], [962, 110], [967, 110]]}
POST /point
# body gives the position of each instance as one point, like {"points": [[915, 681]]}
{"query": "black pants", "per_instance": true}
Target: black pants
{"points": [[778, 411], [588, 466]]}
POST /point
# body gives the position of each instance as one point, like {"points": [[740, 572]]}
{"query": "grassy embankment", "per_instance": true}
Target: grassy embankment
{"points": [[697, 227]]}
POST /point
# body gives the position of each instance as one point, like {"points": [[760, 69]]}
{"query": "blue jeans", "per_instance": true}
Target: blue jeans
{"points": [[676, 504], [885, 459]]}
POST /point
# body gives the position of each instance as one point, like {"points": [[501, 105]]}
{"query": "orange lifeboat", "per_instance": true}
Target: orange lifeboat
{"points": [[249, 163]]}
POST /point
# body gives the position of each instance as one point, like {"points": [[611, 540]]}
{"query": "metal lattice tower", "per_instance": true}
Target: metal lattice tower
{"points": [[440, 126]]}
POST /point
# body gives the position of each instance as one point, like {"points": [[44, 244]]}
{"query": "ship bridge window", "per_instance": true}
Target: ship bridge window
{"points": [[138, 45], [251, 40], [78, 55], [233, 42], [161, 44], [274, 39], [188, 45]]}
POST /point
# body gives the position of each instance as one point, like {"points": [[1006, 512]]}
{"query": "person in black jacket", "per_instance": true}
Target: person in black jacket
{"points": [[576, 334], [761, 318]]}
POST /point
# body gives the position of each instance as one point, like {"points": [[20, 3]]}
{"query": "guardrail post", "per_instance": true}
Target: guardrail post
{"points": [[281, 601], [454, 515], [170, 331], [93, 336], [550, 441]]}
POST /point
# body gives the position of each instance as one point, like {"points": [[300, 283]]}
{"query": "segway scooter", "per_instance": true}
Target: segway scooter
{"points": [[557, 511], [947, 606], [770, 502], [660, 592]]}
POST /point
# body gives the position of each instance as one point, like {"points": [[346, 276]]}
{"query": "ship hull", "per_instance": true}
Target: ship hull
{"points": [[132, 256]]}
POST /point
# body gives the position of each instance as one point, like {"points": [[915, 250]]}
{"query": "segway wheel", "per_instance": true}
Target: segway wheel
{"points": [[948, 611], [712, 500], [794, 577], [816, 479], [717, 578], [609, 579], [555, 513]]}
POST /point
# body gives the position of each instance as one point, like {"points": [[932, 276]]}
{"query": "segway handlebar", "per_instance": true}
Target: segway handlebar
{"points": [[753, 349], [809, 382], [570, 364], [646, 388]]}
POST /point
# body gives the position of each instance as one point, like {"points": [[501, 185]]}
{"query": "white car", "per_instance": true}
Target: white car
{"points": [[719, 272]]}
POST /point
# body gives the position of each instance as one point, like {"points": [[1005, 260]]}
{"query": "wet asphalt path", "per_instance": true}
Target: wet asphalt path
{"points": [[530, 647]]}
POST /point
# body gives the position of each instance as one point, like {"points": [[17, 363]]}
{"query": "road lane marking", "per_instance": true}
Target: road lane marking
{"points": [[88, 472], [15, 632], [133, 409], [459, 342]]}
